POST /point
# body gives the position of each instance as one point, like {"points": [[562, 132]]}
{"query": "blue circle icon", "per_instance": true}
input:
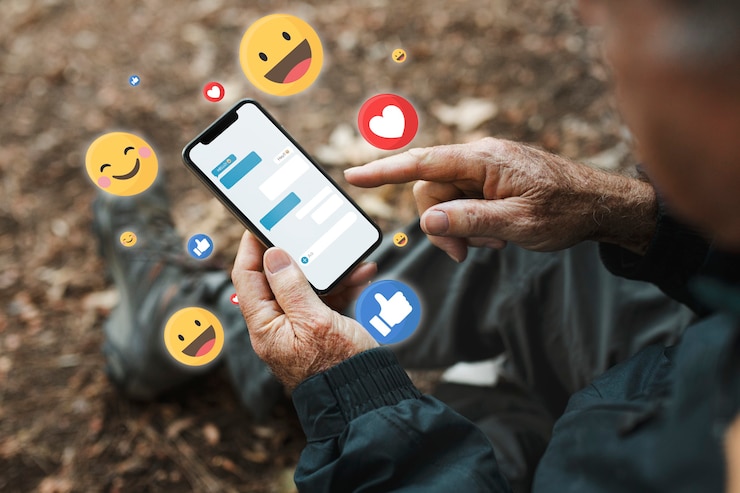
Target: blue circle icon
{"points": [[304, 260], [200, 246], [389, 310], [134, 80]]}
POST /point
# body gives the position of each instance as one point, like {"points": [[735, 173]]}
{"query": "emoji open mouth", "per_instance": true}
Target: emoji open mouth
{"points": [[401, 57], [202, 344], [293, 66], [130, 174]]}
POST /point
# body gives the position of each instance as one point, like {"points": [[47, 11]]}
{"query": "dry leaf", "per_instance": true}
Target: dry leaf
{"points": [[211, 433], [466, 115], [174, 430]]}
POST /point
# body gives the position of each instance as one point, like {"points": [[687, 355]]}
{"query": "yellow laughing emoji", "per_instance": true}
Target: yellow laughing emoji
{"points": [[121, 163], [281, 54], [194, 336]]}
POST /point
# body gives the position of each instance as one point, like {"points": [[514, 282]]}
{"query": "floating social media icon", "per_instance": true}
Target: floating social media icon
{"points": [[234, 299], [400, 239], [134, 80], [388, 121], [128, 239], [281, 54], [213, 92], [200, 246], [194, 336], [121, 163], [399, 55], [389, 310]]}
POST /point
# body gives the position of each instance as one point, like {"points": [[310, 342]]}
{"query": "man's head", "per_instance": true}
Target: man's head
{"points": [[677, 69]]}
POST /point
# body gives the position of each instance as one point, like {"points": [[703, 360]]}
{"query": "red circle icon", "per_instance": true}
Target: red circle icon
{"points": [[388, 121], [234, 299], [213, 92]]}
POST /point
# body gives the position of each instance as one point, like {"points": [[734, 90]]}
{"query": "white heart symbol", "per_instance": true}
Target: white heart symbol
{"points": [[214, 92], [390, 125]]}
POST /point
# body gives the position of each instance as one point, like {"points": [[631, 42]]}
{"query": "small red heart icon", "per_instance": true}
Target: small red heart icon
{"points": [[234, 299], [213, 92]]}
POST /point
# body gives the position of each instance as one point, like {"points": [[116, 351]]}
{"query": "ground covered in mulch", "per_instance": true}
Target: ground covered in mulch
{"points": [[523, 70]]}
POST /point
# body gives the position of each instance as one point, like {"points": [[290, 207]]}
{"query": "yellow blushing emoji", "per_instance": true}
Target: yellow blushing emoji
{"points": [[121, 163], [194, 336], [128, 239], [281, 54]]}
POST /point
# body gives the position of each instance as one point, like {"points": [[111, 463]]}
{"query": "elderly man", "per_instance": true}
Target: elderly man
{"points": [[657, 421]]}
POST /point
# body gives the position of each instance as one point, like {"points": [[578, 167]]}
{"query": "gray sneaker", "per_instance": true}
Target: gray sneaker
{"points": [[155, 278]]}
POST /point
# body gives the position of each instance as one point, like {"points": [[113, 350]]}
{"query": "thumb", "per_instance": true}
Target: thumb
{"points": [[381, 300], [292, 291], [467, 218]]}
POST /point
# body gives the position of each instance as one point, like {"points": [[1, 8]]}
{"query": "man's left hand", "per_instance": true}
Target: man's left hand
{"points": [[291, 328]]}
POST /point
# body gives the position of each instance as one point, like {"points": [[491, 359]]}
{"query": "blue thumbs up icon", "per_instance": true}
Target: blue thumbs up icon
{"points": [[389, 310]]}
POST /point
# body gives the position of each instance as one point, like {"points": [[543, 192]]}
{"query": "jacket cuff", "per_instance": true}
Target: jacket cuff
{"points": [[676, 252], [328, 401]]}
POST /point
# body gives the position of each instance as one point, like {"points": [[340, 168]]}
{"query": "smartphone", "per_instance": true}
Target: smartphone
{"points": [[280, 194]]}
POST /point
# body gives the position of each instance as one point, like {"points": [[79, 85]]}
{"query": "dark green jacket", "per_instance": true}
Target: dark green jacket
{"points": [[652, 423]]}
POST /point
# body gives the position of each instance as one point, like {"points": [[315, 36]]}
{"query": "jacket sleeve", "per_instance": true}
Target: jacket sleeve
{"points": [[370, 430], [676, 254]]}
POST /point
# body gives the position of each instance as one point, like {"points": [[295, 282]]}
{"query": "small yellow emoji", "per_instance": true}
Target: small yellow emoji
{"points": [[281, 54], [400, 239], [121, 163], [399, 55], [128, 239], [194, 336]]}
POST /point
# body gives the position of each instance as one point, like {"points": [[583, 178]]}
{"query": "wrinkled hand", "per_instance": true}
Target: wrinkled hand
{"points": [[290, 327], [492, 191]]}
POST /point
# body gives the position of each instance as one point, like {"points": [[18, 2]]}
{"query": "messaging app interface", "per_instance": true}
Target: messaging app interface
{"points": [[287, 198]]}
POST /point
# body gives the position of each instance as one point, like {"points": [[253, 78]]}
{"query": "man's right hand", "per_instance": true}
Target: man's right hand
{"points": [[493, 191]]}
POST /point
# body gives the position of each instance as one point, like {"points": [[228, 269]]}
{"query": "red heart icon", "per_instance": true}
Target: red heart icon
{"points": [[234, 299], [213, 92]]}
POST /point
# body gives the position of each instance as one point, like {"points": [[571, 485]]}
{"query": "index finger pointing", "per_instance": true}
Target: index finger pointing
{"points": [[441, 164]]}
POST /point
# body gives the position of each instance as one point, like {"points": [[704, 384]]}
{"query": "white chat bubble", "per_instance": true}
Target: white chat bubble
{"points": [[284, 177], [327, 209]]}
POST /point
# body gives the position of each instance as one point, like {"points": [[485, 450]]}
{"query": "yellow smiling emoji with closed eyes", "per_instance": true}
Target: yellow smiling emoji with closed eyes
{"points": [[121, 163]]}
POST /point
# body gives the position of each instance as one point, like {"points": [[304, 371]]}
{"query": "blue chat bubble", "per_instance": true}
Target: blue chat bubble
{"points": [[280, 211], [241, 169]]}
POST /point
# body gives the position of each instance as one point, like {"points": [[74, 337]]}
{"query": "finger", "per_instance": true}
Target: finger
{"points": [[350, 287], [494, 243], [256, 300], [361, 275], [441, 163], [292, 291], [502, 219], [430, 194]]}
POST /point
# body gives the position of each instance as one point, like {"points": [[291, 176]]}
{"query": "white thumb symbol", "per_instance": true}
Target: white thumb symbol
{"points": [[381, 301]]}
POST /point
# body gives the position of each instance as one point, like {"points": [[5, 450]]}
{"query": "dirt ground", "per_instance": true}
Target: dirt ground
{"points": [[518, 69]]}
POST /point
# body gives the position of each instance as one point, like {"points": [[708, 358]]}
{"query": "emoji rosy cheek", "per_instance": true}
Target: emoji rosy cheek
{"points": [[145, 152], [103, 182]]}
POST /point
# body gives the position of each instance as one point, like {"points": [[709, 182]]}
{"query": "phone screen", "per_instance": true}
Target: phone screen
{"points": [[265, 178]]}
